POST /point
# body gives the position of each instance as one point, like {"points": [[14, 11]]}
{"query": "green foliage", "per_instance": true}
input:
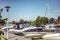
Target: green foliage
{"points": [[2, 38], [51, 20], [0, 16], [2, 22], [21, 20], [13, 22], [38, 21], [44, 20], [41, 21], [1, 32], [33, 23]]}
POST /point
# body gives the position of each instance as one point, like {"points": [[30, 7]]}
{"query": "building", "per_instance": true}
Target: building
{"points": [[57, 21]]}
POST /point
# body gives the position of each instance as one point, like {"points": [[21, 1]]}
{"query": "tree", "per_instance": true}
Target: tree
{"points": [[38, 21], [58, 17], [41, 21], [51, 20], [44, 20], [58, 21], [1, 32], [2, 22], [21, 20], [0, 16], [32, 23], [13, 22]]}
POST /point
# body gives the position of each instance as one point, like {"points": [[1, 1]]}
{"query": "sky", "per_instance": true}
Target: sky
{"points": [[30, 9]]}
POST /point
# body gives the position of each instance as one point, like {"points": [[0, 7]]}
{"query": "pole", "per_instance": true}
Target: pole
{"points": [[47, 10], [7, 9], [7, 26]]}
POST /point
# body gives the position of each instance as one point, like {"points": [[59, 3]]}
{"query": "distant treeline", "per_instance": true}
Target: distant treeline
{"points": [[40, 21]]}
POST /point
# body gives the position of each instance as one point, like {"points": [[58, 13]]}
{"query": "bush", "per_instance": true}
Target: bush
{"points": [[1, 32]]}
